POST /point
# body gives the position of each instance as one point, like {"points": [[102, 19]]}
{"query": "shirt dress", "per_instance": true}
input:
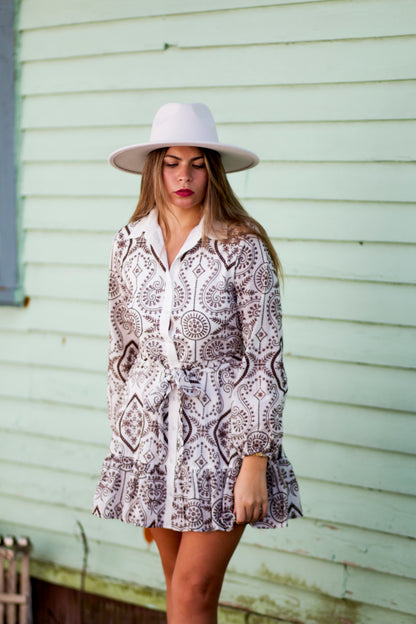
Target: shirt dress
{"points": [[195, 381]]}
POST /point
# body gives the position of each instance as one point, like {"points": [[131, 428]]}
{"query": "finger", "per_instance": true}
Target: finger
{"points": [[261, 511], [254, 515], [240, 516]]}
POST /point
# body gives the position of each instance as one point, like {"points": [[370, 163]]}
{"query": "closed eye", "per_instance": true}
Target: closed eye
{"points": [[171, 165]]}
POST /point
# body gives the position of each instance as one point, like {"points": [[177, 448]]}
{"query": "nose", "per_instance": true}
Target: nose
{"points": [[184, 173]]}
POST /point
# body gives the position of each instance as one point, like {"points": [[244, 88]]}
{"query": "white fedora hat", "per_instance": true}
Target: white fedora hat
{"points": [[182, 124]]}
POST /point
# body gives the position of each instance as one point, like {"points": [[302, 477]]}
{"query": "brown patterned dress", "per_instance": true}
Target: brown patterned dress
{"points": [[195, 382]]}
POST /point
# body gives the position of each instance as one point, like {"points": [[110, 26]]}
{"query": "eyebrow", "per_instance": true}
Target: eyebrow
{"points": [[177, 157]]}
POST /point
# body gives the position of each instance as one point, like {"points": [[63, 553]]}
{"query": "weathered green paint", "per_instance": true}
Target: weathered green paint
{"points": [[329, 141], [322, 421], [319, 181], [279, 103], [363, 261], [363, 221], [309, 377], [314, 338], [127, 592], [323, 91], [335, 61], [247, 26], [317, 460], [340, 611]]}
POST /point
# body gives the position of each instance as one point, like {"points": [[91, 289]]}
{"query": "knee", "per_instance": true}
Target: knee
{"points": [[196, 588]]}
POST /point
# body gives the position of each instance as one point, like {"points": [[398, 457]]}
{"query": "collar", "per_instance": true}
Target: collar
{"points": [[149, 226]]}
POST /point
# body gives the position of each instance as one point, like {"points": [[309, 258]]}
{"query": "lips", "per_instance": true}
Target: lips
{"points": [[184, 192]]}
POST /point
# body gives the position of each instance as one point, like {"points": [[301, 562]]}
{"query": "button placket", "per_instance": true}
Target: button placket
{"points": [[175, 403], [174, 398]]}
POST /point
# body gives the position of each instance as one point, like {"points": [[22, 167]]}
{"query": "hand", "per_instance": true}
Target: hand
{"points": [[250, 491]]}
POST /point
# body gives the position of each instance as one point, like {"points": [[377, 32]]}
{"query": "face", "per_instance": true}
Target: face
{"points": [[185, 177]]}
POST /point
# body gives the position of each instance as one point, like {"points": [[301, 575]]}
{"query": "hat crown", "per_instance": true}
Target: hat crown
{"points": [[177, 123]]}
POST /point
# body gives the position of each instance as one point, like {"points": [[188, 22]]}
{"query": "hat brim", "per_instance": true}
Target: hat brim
{"points": [[132, 157]]}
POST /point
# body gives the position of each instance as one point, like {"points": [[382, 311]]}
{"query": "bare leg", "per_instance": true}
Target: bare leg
{"points": [[194, 565], [168, 543]]}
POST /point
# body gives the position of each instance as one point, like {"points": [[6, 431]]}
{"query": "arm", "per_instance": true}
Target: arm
{"points": [[260, 387], [123, 344]]}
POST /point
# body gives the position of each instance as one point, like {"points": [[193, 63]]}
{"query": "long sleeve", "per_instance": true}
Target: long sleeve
{"points": [[123, 346], [260, 384]]}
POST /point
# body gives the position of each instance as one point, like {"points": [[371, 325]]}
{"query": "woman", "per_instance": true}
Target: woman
{"points": [[196, 382]]}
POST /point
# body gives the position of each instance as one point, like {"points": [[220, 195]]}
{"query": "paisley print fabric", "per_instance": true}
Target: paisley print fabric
{"points": [[195, 381]]}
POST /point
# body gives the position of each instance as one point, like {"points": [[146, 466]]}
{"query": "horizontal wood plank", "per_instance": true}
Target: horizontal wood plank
{"points": [[350, 465], [304, 337], [310, 297], [309, 538], [368, 509], [300, 63], [355, 384], [329, 502], [77, 248], [279, 103], [265, 598], [71, 387], [341, 543], [376, 589], [49, 541], [46, 349], [352, 342], [52, 12], [67, 282], [72, 490], [346, 221], [123, 564], [263, 24], [349, 300], [82, 214], [285, 219], [286, 564], [350, 424], [294, 570], [391, 182], [321, 461], [321, 380], [67, 551], [358, 261], [329, 181], [307, 141], [331, 422], [61, 316], [56, 420], [369, 261], [63, 455], [64, 520]]}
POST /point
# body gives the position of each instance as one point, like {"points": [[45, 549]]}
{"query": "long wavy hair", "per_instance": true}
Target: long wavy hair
{"points": [[223, 213]]}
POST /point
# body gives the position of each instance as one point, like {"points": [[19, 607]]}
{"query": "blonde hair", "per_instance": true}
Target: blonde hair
{"points": [[221, 206]]}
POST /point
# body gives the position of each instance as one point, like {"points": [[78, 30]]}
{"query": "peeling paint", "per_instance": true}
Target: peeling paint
{"points": [[286, 579], [332, 527]]}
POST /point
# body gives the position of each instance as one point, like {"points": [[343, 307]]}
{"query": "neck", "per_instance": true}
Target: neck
{"points": [[181, 221]]}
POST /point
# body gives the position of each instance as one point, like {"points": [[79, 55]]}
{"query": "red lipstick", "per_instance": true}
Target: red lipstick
{"points": [[184, 192]]}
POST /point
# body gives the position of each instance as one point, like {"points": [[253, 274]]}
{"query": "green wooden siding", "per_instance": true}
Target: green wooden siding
{"points": [[324, 92]]}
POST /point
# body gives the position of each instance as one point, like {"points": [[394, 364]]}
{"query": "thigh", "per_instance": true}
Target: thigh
{"points": [[167, 542], [205, 556]]}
